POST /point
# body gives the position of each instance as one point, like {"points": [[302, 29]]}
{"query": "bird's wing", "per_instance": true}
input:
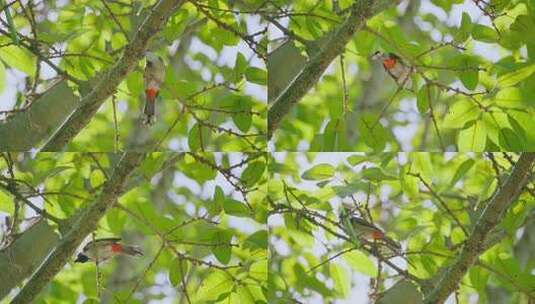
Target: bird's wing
{"points": [[361, 222], [103, 241]]}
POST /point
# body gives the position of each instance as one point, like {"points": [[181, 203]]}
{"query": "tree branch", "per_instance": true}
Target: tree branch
{"points": [[27, 128], [107, 82], [312, 71], [83, 226], [475, 245]]}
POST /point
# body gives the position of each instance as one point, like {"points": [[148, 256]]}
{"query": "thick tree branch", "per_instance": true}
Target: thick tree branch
{"points": [[107, 82], [20, 259], [332, 48], [83, 226], [28, 128], [475, 244]]}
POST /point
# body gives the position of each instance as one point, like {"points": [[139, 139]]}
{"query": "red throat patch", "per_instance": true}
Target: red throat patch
{"points": [[151, 93], [389, 63], [116, 247]]}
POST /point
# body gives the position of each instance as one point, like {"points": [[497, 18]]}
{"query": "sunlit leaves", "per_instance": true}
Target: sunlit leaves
{"points": [[253, 172], [236, 208], [213, 286], [516, 76], [465, 28], [256, 75], [319, 172], [341, 280], [484, 33], [461, 113], [361, 262], [461, 171], [18, 58], [222, 249]]}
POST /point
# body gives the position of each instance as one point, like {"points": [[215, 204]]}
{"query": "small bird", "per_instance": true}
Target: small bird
{"points": [[153, 78], [395, 67], [363, 230], [104, 249]]}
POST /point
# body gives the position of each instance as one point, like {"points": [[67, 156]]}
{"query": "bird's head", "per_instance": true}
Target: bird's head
{"points": [[152, 57], [378, 56], [81, 258]]}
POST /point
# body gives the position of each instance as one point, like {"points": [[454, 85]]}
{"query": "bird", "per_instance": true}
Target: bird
{"points": [[153, 78], [395, 67], [363, 230], [104, 249]]}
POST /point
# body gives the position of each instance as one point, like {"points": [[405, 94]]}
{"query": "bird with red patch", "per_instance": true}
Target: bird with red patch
{"points": [[153, 78], [364, 230], [395, 67], [102, 250]]}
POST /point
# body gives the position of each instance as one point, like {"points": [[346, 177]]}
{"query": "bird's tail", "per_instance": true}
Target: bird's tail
{"points": [[132, 250], [393, 245]]}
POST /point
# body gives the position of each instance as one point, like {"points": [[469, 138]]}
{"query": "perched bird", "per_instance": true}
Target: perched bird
{"points": [[363, 230], [104, 249], [395, 67], [153, 78]]}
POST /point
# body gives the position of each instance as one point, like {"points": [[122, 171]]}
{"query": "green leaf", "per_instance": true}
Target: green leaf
{"points": [[361, 262], [372, 132], [319, 172], [425, 95], [236, 208], [461, 171], [355, 159], [465, 28], [242, 105], [257, 240], [461, 113], [178, 270], [259, 270], [341, 279], [256, 75], [253, 173], [223, 250], [469, 75], [217, 204], [512, 78], [6, 202], [511, 97], [376, 174], [422, 164], [473, 138], [194, 138], [19, 59], [484, 33], [97, 178], [213, 286], [510, 140]]}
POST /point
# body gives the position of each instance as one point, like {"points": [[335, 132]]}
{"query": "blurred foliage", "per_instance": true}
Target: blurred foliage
{"points": [[480, 70], [214, 85], [418, 199], [209, 209]]}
